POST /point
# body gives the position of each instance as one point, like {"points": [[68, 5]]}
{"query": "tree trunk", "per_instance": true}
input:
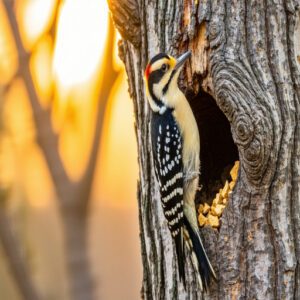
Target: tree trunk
{"points": [[77, 260], [245, 59]]}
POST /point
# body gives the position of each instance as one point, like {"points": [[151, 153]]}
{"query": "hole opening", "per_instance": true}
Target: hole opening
{"points": [[218, 151]]}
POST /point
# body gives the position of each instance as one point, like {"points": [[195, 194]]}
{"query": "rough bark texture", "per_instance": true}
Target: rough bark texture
{"points": [[246, 55]]}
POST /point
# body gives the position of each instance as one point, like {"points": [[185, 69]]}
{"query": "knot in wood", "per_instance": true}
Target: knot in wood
{"points": [[216, 35], [213, 30], [242, 129], [226, 104], [254, 161], [253, 152], [248, 130], [249, 135]]}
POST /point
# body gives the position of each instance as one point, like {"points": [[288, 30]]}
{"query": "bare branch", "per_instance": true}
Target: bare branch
{"points": [[46, 137], [55, 17]]}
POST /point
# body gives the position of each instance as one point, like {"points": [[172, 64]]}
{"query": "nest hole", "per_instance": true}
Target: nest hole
{"points": [[218, 151]]}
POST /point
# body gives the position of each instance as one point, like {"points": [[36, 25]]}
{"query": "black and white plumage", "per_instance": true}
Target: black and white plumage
{"points": [[176, 151], [167, 154]]}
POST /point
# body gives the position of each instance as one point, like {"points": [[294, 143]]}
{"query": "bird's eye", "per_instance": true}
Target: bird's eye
{"points": [[164, 67]]}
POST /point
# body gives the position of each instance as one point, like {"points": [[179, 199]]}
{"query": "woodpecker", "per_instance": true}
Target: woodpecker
{"points": [[176, 150]]}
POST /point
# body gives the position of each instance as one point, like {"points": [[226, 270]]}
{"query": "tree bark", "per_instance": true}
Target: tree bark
{"points": [[246, 55]]}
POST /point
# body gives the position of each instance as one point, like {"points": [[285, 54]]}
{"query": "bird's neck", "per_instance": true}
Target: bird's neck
{"points": [[157, 105], [173, 99]]}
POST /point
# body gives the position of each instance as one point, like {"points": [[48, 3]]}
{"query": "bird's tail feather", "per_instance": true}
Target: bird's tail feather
{"points": [[199, 257], [180, 255], [193, 257]]}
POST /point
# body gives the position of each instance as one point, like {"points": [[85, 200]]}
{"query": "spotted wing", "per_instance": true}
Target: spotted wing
{"points": [[169, 172], [167, 148]]}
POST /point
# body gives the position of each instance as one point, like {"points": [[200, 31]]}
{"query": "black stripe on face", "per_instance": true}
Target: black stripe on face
{"points": [[165, 89], [154, 78]]}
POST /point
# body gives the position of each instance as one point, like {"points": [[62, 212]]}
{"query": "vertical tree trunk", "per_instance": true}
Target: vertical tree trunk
{"points": [[77, 260], [245, 54]]}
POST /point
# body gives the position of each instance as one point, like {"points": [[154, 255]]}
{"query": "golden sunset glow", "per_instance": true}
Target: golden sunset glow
{"points": [[118, 155], [41, 68], [70, 64], [8, 55], [80, 40], [66, 68], [35, 16]]}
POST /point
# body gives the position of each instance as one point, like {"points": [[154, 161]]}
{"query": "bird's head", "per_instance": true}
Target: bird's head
{"points": [[161, 76]]}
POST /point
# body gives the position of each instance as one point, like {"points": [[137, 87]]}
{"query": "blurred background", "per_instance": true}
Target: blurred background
{"points": [[68, 157]]}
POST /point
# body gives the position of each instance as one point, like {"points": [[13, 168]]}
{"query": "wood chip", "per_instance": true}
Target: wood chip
{"points": [[200, 209], [206, 208], [202, 220], [225, 190], [215, 202], [209, 215], [218, 199], [217, 210], [234, 171], [213, 221]]}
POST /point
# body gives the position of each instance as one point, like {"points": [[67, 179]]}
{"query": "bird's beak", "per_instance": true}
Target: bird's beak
{"points": [[181, 59]]}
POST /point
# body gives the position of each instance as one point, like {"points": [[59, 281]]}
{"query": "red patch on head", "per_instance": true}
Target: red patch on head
{"points": [[147, 71]]}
